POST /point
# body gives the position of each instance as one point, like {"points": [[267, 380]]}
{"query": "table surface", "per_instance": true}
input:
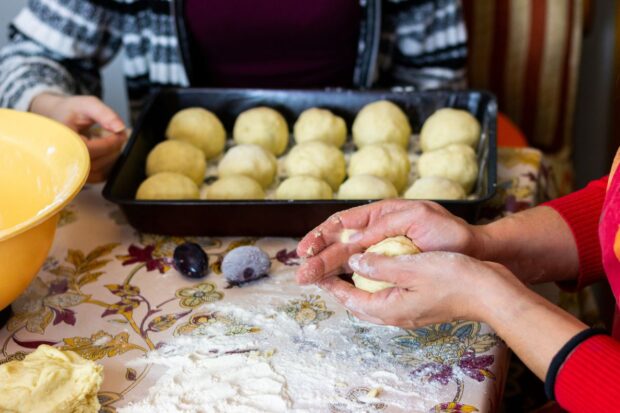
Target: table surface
{"points": [[111, 295]]}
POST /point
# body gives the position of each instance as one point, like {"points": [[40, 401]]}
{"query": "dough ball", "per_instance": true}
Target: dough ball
{"points": [[262, 126], [316, 124], [177, 156], [387, 160], [455, 162], [367, 187], [317, 159], [199, 127], [50, 380], [235, 187], [250, 160], [449, 126], [390, 247], [436, 188], [381, 122], [304, 187], [168, 185]]}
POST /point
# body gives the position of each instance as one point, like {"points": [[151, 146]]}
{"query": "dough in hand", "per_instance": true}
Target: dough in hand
{"points": [[449, 126], [316, 124], [235, 187], [381, 122], [385, 160], [199, 127], [390, 247], [250, 160], [262, 126], [167, 185], [51, 381], [455, 162], [367, 187], [177, 156], [304, 187], [435, 188], [317, 159]]}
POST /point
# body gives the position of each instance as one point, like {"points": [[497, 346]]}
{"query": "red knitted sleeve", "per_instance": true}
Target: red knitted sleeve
{"points": [[589, 379], [582, 210]]}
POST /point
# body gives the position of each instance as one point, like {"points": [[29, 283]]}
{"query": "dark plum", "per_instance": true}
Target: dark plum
{"points": [[191, 260], [245, 264]]}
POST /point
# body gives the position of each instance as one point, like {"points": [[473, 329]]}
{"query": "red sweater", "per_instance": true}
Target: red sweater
{"points": [[589, 379]]}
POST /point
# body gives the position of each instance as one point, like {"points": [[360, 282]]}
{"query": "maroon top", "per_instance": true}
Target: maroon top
{"points": [[273, 44]]}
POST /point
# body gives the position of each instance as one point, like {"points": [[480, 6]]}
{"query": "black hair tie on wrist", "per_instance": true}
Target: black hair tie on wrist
{"points": [[560, 357]]}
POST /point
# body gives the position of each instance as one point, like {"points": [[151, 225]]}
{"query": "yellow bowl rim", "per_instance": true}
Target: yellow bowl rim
{"points": [[58, 204]]}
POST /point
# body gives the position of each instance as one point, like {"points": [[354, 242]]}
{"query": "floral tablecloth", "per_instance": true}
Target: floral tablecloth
{"points": [[111, 295]]}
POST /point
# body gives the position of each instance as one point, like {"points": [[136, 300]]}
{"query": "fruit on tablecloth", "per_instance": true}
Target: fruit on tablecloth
{"points": [[199, 127], [191, 260], [244, 264]]}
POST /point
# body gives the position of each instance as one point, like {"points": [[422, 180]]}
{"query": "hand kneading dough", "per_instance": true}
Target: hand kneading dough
{"points": [[449, 126], [455, 162], [250, 160], [367, 187], [177, 156], [50, 381], [390, 247], [262, 126], [317, 159], [386, 160], [235, 187], [316, 124], [168, 185], [304, 187], [199, 127], [381, 122], [436, 188]]}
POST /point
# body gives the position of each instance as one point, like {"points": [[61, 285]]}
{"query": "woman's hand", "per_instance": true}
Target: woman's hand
{"points": [[430, 226], [81, 113]]}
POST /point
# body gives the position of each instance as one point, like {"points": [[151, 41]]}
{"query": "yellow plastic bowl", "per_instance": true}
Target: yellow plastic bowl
{"points": [[43, 165]]}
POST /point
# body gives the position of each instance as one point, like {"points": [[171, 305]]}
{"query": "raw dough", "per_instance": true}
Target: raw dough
{"points": [[381, 122], [436, 188], [455, 162], [304, 187], [316, 124], [448, 126], [390, 247], [235, 187], [262, 126], [177, 156], [250, 160], [367, 187], [317, 159], [386, 160], [199, 127], [168, 185], [50, 381]]}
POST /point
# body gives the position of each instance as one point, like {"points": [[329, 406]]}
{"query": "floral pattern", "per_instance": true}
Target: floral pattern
{"points": [[100, 345], [311, 309], [198, 325], [198, 295]]}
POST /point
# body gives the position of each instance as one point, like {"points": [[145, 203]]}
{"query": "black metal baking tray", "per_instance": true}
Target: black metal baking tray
{"points": [[271, 217]]}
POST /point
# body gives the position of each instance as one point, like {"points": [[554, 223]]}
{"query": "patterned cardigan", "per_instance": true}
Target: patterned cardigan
{"points": [[61, 45]]}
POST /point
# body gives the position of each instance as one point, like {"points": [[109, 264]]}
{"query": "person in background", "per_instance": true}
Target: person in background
{"points": [[57, 48]]}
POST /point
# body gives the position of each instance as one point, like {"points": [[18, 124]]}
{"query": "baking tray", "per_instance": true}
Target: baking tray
{"points": [[274, 217]]}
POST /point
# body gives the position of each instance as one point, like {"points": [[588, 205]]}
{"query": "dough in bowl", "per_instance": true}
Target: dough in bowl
{"points": [[250, 160], [455, 162], [199, 127], [435, 188], [167, 185], [177, 156], [304, 187], [390, 247], [235, 187], [316, 124], [317, 159], [262, 126], [449, 126], [381, 122], [367, 187], [387, 160]]}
